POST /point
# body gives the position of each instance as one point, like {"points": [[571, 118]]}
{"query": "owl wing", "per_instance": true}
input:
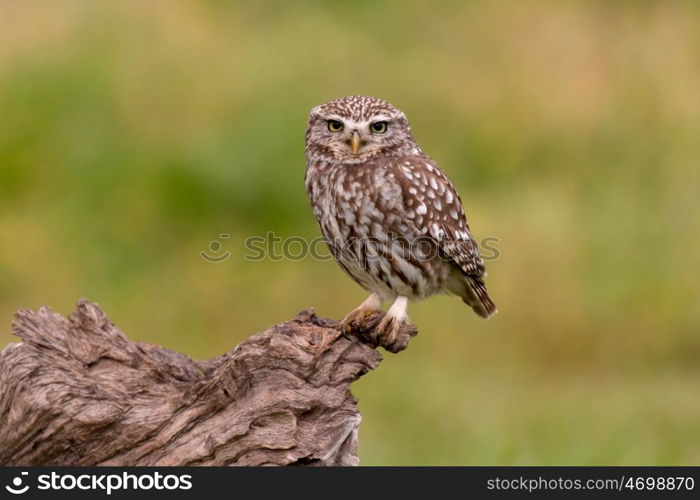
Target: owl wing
{"points": [[432, 204]]}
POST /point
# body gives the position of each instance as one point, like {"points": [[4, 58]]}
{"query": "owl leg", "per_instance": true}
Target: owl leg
{"points": [[372, 304], [393, 320]]}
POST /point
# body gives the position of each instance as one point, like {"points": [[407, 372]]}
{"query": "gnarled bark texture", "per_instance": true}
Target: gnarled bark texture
{"points": [[76, 391]]}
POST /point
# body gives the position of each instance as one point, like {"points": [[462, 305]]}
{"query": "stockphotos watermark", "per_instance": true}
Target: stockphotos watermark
{"points": [[102, 483], [295, 248]]}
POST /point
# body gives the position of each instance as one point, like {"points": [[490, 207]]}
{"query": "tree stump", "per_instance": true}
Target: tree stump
{"points": [[76, 391]]}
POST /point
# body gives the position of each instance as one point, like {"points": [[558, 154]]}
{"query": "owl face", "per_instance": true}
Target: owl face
{"points": [[353, 129]]}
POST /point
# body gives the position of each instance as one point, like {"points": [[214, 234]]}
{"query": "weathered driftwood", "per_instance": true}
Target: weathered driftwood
{"points": [[76, 391]]}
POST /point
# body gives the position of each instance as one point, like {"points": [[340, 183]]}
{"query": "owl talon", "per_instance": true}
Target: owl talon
{"points": [[391, 331], [360, 314], [389, 328], [390, 325], [357, 317]]}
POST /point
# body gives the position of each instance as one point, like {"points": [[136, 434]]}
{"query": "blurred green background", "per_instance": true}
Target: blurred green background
{"points": [[133, 134]]}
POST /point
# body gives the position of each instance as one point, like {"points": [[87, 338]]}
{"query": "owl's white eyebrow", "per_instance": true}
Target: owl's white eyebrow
{"points": [[364, 123]]}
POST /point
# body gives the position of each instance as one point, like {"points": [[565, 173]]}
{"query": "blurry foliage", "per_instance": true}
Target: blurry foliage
{"points": [[132, 134]]}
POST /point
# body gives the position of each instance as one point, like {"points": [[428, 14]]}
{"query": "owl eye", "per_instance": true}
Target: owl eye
{"points": [[379, 127], [335, 125]]}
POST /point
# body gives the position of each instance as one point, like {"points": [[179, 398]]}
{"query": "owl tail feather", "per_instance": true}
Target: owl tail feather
{"points": [[476, 296], [472, 290]]}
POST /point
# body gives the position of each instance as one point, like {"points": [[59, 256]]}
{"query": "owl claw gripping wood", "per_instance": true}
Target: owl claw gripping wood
{"points": [[391, 218]]}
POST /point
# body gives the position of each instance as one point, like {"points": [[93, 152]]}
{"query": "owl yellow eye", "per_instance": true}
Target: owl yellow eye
{"points": [[335, 126], [378, 127]]}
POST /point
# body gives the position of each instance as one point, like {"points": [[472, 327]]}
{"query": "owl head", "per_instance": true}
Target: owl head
{"points": [[353, 129]]}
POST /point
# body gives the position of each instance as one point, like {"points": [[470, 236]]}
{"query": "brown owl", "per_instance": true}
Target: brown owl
{"points": [[391, 218]]}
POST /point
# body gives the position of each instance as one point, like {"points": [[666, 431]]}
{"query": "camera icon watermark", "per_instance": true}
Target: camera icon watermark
{"points": [[215, 253], [16, 488]]}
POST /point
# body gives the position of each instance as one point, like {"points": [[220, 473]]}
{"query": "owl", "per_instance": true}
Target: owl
{"points": [[390, 216]]}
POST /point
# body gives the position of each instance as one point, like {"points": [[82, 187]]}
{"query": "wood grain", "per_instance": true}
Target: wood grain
{"points": [[76, 391]]}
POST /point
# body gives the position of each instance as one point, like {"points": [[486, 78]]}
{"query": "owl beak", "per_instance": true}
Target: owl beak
{"points": [[355, 142]]}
